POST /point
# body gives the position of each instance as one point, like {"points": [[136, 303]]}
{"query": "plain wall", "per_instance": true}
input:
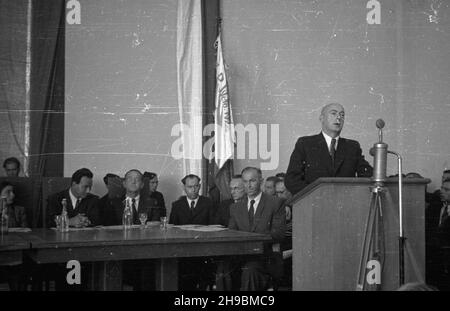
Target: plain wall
{"points": [[286, 59], [121, 94], [13, 73]]}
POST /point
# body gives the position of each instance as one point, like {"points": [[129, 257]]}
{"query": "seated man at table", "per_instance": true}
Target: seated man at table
{"points": [[224, 279], [133, 184], [192, 208], [259, 213], [115, 190], [82, 206], [195, 274], [137, 273], [237, 190]]}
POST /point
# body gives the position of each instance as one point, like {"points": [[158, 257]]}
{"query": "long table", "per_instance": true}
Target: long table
{"points": [[107, 247], [12, 246]]}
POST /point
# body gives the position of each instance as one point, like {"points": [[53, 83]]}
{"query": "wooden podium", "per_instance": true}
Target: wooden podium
{"points": [[329, 219]]}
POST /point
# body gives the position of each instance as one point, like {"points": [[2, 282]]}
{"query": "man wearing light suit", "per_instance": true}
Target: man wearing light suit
{"points": [[259, 213], [326, 154]]}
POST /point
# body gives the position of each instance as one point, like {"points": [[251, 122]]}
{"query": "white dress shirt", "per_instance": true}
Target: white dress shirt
{"points": [[328, 139], [129, 200], [73, 199], [255, 205], [189, 202]]}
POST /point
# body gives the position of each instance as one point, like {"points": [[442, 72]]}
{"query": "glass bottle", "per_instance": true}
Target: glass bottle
{"points": [[64, 217], [4, 217], [127, 217]]}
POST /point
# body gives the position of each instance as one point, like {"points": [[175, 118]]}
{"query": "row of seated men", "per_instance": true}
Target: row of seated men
{"points": [[253, 211], [90, 210]]}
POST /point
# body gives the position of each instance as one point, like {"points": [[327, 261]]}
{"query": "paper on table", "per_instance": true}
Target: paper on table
{"points": [[20, 230], [118, 227], [201, 228], [77, 229]]}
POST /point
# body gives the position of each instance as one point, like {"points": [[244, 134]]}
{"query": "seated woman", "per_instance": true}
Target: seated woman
{"points": [[16, 275], [150, 186], [17, 215]]}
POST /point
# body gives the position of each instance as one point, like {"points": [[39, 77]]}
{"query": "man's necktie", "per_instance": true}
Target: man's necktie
{"points": [[192, 207], [444, 213], [251, 213], [134, 211], [333, 149], [77, 204]]}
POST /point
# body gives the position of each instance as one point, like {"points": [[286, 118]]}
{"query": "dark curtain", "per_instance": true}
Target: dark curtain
{"points": [[47, 88], [13, 63], [47, 91]]}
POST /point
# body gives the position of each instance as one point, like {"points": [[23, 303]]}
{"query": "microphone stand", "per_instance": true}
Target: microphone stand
{"points": [[374, 230], [373, 243], [401, 238]]}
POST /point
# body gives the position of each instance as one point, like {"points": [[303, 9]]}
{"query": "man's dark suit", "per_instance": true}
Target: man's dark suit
{"points": [[87, 206], [146, 204], [202, 214], [270, 218], [222, 214], [436, 236], [194, 273], [311, 159]]}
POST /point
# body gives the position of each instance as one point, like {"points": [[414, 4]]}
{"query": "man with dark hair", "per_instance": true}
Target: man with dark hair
{"points": [[192, 208], [12, 167], [82, 206], [83, 211], [195, 274], [259, 213], [269, 185], [326, 154], [116, 190], [281, 176]]}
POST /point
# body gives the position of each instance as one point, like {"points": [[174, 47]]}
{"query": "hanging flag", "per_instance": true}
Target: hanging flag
{"points": [[224, 135], [223, 117]]}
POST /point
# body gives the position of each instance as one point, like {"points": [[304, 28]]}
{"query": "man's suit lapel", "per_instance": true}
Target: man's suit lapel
{"points": [[197, 208], [339, 155], [68, 200], [259, 212], [243, 213], [324, 153], [118, 205]]}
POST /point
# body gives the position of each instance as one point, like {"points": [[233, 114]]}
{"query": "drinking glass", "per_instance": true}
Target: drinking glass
{"points": [[164, 222], [143, 219], [58, 222]]}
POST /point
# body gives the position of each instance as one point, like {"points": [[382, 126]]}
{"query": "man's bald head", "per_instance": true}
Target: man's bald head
{"points": [[332, 119]]}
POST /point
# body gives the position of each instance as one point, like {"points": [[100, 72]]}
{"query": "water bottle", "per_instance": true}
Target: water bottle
{"points": [[64, 217], [127, 217], [4, 217]]}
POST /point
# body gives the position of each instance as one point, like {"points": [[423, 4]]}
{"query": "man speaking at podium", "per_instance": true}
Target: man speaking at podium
{"points": [[326, 154]]}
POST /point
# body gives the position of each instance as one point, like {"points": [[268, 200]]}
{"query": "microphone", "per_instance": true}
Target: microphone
{"points": [[380, 123], [379, 152]]}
